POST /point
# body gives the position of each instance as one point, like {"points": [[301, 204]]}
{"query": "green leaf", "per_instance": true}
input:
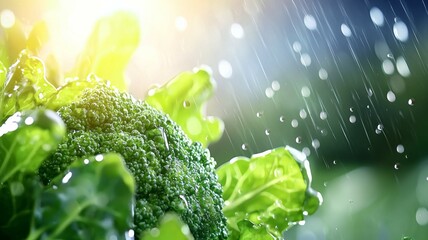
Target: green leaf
{"points": [[271, 190], [38, 37], [17, 198], [171, 227], [109, 49], [15, 40], [93, 200], [25, 86], [26, 139], [184, 100]]}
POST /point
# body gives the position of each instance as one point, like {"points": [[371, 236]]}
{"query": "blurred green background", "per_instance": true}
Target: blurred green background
{"points": [[344, 81]]}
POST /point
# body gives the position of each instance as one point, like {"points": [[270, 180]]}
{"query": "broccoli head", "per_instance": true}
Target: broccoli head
{"points": [[172, 173]]}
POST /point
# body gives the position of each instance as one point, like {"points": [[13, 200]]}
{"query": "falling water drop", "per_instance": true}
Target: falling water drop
{"points": [[299, 139], [346, 31], [259, 114], [282, 119], [400, 148], [244, 146], [322, 74], [352, 119], [267, 132], [377, 16], [294, 123], [315, 143], [397, 166], [303, 114], [310, 22], [400, 31], [305, 59], [297, 47], [411, 102], [323, 115], [390, 96], [306, 92]]}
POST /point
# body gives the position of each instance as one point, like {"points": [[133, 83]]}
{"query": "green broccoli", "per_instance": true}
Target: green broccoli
{"points": [[172, 173]]}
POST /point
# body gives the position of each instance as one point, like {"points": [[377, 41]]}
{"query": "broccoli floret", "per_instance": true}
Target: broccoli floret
{"points": [[172, 173]]}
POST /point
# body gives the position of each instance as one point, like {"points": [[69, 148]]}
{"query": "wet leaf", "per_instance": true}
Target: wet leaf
{"points": [[271, 191], [92, 200], [184, 99], [26, 139]]}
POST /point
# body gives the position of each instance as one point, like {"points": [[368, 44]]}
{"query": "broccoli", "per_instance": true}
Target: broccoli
{"points": [[172, 173]]}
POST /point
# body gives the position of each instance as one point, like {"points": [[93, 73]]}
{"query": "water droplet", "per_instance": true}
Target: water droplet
{"points": [[237, 31], [400, 148], [305, 91], [400, 31], [388, 66], [259, 114], [402, 67], [186, 103], [7, 18], [310, 22], [267, 132], [244, 147], [86, 161], [297, 47], [422, 216], [315, 143], [325, 184], [303, 114], [225, 69], [379, 127], [299, 139], [334, 162], [181, 23], [352, 119], [397, 166], [67, 177], [322, 74], [282, 119], [351, 109], [99, 157], [131, 234], [390, 56], [305, 59], [390, 96], [294, 123], [323, 115], [29, 121], [324, 132], [346, 31], [275, 86], [269, 92], [377, 16], [411, 102], [306, 151]]}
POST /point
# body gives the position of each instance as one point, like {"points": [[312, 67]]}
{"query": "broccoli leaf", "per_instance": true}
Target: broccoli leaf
{"points": [[171, 227], [17, 198], [184, 99], [25, 86], [26, 139], [109, 49], [270, 191], [93, 200]]}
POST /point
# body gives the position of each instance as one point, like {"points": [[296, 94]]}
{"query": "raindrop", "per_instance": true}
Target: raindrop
{"points": [[259, 114], [303, 114], [305, 91], [352, 119], [422, 216], [181, 23], [7, 18], [379, 127], [29, 121], [400, 31], [294, 123], [322, 74], [411, 102], [324, 132], [269, 92], [390, 56], [400, 148], [299, 139], [377, 16], [346, 31], [388, 66], [323, 115], [315, 143], [306, 151], [186, 103], [282, 119], [267, 132], [305, 59], [334, 162], [390, 96], [67, 177], [351, 109], [297, 47], [99, 158], [237, 31], [402, 67], [310, 22], [397, 166], [86, 161], [275, 85], [225, 69], [244, 146]]}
